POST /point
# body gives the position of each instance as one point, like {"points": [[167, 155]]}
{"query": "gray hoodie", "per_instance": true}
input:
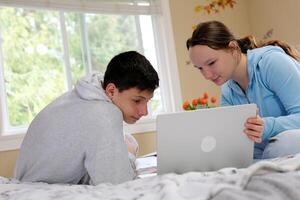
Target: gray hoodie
{"points": [[78, 138]]}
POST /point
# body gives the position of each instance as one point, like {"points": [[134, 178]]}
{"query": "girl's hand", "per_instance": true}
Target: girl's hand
{"points": [[254, 128]]}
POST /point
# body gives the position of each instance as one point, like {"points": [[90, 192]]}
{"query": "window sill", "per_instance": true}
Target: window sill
{"points": [[11, 142], [14, 141]]}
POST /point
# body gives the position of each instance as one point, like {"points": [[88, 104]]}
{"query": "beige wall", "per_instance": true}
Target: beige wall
{"points": [[7, 163], [247, 17], [283, 16], [147, 142]]}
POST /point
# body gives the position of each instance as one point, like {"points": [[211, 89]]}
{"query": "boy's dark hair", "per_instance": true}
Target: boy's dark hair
{"points": [[131, 69]]}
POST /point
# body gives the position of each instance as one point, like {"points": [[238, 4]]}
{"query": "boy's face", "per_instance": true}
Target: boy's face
{"points": [[132, 102]]}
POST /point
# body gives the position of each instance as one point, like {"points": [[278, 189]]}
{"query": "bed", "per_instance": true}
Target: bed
{"points": [[274, 179]]}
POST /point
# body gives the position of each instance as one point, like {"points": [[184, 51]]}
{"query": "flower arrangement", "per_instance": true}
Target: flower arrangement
{"points": [[200, 103], [215, 5]]}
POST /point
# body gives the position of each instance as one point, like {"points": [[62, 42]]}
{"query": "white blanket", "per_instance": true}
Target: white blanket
{"points": [[276, 179]]}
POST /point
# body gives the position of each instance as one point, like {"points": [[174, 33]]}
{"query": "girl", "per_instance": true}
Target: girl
{"points": [[267, 75]]}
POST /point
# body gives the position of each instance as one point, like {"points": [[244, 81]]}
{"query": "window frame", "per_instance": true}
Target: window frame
{"points": [[169, 84]]}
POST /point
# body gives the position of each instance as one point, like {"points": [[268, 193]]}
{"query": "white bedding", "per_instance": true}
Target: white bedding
{"points": [[276, 179]]}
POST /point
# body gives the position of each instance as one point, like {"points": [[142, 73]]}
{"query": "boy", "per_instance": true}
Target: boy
{"points": [[78, 138]]}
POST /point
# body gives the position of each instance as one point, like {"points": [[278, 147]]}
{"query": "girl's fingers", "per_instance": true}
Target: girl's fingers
{"points": [[256, 120], [253, 133], [255, 139], [254, 127]]}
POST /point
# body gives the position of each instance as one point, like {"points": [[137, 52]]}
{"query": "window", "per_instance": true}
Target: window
{"points": [[46, 46]]}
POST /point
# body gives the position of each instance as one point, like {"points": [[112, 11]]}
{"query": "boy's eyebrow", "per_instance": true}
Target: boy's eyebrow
{"points": [[144, 97], [140, 97]]}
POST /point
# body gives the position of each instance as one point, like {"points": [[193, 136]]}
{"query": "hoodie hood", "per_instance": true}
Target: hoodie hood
{"points": [[90, 88], [254, 56]]}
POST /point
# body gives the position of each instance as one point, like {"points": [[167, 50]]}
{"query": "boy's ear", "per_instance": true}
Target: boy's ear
{"points": [[110, 90]]}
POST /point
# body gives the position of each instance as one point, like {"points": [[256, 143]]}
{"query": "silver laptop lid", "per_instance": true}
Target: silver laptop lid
{"points": [[204, 140]]}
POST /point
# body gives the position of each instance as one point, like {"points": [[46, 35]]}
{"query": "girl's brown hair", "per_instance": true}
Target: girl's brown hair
{"points": [[216, 35]]}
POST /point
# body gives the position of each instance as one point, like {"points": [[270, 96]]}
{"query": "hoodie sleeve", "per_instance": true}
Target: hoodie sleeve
{"points": [[106, 157], [282, 76]]}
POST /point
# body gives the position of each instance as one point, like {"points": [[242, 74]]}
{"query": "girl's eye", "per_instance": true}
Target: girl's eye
{"points": [[211, 63], [200, 68]]}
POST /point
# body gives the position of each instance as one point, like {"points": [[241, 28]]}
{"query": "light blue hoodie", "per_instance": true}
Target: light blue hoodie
{"points": [[274, 86]]}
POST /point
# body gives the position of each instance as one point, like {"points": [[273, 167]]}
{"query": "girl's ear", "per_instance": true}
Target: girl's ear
{"points": [[233, 45], [235, 50], [110, 90]]}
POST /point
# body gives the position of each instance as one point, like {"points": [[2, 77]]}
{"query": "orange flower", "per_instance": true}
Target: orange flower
{"points": [[213, 99], [203, 101], [186, 105], [195, 102], [199, 100]]}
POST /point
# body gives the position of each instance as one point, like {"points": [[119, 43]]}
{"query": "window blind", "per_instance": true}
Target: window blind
{"points": [[135, 7]]}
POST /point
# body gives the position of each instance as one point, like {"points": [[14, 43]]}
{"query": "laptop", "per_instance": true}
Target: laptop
{"points": [[204, 139]]}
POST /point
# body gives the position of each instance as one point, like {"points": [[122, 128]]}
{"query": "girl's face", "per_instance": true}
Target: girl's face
{"points": [[217, 66]]}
